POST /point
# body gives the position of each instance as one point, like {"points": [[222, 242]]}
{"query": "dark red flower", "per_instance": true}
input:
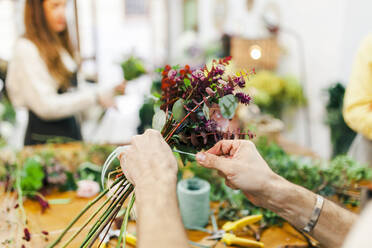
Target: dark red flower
{"points": [[243, 98], [43, 203], [27, 234]]}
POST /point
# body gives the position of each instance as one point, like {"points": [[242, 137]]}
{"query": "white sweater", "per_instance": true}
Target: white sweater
{"points": [[30, 85]]}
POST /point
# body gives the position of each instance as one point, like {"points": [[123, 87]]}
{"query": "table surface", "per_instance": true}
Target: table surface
{"points": [[57, 217]]}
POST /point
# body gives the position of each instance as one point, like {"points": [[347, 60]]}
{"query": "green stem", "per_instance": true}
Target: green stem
{"points": [[115, 200], [102, 194], [20, 195], [91, 217], [123, 229], [105, 216], [184, 118]]}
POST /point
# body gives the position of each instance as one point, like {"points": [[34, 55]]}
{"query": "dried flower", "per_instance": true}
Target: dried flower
{"points": [[220, 69], [243, 98], [27, 235], [228, 89], [240, 81], [43, 203]]}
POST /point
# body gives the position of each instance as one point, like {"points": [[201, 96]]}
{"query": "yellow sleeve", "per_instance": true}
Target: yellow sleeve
{"points": [[358, 96]]}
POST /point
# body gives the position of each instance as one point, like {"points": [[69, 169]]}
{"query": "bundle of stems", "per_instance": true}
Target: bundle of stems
{"points": [[122, 190]]}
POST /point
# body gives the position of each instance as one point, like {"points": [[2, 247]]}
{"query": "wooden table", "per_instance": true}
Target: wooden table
{"points": [[55, 219]]}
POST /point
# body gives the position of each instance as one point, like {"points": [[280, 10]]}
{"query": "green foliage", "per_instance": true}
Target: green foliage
{"points": [[228, 105], [178, 110], [133, 68], [32, 175], [158, 121], [341, 135]]}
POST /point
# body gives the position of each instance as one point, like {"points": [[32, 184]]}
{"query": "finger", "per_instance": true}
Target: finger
{"points": [[230, 185], [212, 161], [217, 148]]}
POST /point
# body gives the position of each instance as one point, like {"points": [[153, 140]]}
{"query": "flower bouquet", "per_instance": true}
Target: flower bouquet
{"points": [[194, 110]]}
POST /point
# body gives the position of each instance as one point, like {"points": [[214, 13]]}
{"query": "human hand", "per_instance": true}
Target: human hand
{"points": [[241, 165], [149, 161], [107, 100], [120, 89]]}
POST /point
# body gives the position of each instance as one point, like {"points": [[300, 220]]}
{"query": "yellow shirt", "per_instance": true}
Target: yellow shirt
{"points": [[358, 97]]}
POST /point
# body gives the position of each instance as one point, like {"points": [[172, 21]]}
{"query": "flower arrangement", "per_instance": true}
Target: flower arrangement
{"points": [[194, 110]]}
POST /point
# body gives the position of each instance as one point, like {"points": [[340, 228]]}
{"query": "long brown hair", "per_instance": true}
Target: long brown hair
{"points": [[48, 42]]}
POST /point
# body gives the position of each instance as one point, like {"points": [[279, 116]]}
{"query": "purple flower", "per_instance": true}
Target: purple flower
{"points": [[220, 69], [228, 89], [198, 74], [172, 74], [240, 81], [210, 126], [243, 98]]}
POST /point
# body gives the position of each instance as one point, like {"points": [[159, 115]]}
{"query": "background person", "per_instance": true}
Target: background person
{"points": [[42, 76]]}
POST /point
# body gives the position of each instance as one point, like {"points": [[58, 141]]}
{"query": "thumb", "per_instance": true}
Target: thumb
{"points": [[212, 161]]}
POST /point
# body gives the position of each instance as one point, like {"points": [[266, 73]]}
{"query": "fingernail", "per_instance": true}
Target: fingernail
{"points": [[200, 157]]}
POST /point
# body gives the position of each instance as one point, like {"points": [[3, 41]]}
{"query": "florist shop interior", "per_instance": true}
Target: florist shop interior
{"points": [[185, 123]]}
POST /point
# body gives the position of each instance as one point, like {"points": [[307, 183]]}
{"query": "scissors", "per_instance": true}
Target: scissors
{"points": [[225, 234]]}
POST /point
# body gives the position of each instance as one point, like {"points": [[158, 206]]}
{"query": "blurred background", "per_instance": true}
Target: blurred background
{"points": [[299, 49]]}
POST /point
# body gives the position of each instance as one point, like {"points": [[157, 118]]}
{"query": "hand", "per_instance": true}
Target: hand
{"points": [[120, 89], [149, 161], [107, 100], [241, 165]]}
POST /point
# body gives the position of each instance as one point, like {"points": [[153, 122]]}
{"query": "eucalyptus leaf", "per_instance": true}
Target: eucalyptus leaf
{"points": [[158, 121], [206, 111], [157, 106], [228, 105], [178, 110]]}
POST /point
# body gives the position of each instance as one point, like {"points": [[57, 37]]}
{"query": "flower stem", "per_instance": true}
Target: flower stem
{"points": [[184, 118], [109, 214], [123, 229], [95, 200], [20, 195], [90, 218]]}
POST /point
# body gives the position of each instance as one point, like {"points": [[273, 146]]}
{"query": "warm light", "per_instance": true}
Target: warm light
{"points": [[255, 52]]}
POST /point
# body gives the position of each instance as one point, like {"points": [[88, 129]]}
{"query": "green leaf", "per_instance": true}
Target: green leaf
{"points": [[178, 110], [228, 105], [157, 106], [187, 82], [32, 175], [158, 121], [206, 111]]}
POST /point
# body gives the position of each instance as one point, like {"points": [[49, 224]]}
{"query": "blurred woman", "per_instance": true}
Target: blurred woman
{"points": [[43, 78], [358, 103]]}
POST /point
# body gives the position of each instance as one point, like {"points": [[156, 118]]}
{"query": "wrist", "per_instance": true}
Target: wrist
{"points": [[157, 185], [272, 192]]}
